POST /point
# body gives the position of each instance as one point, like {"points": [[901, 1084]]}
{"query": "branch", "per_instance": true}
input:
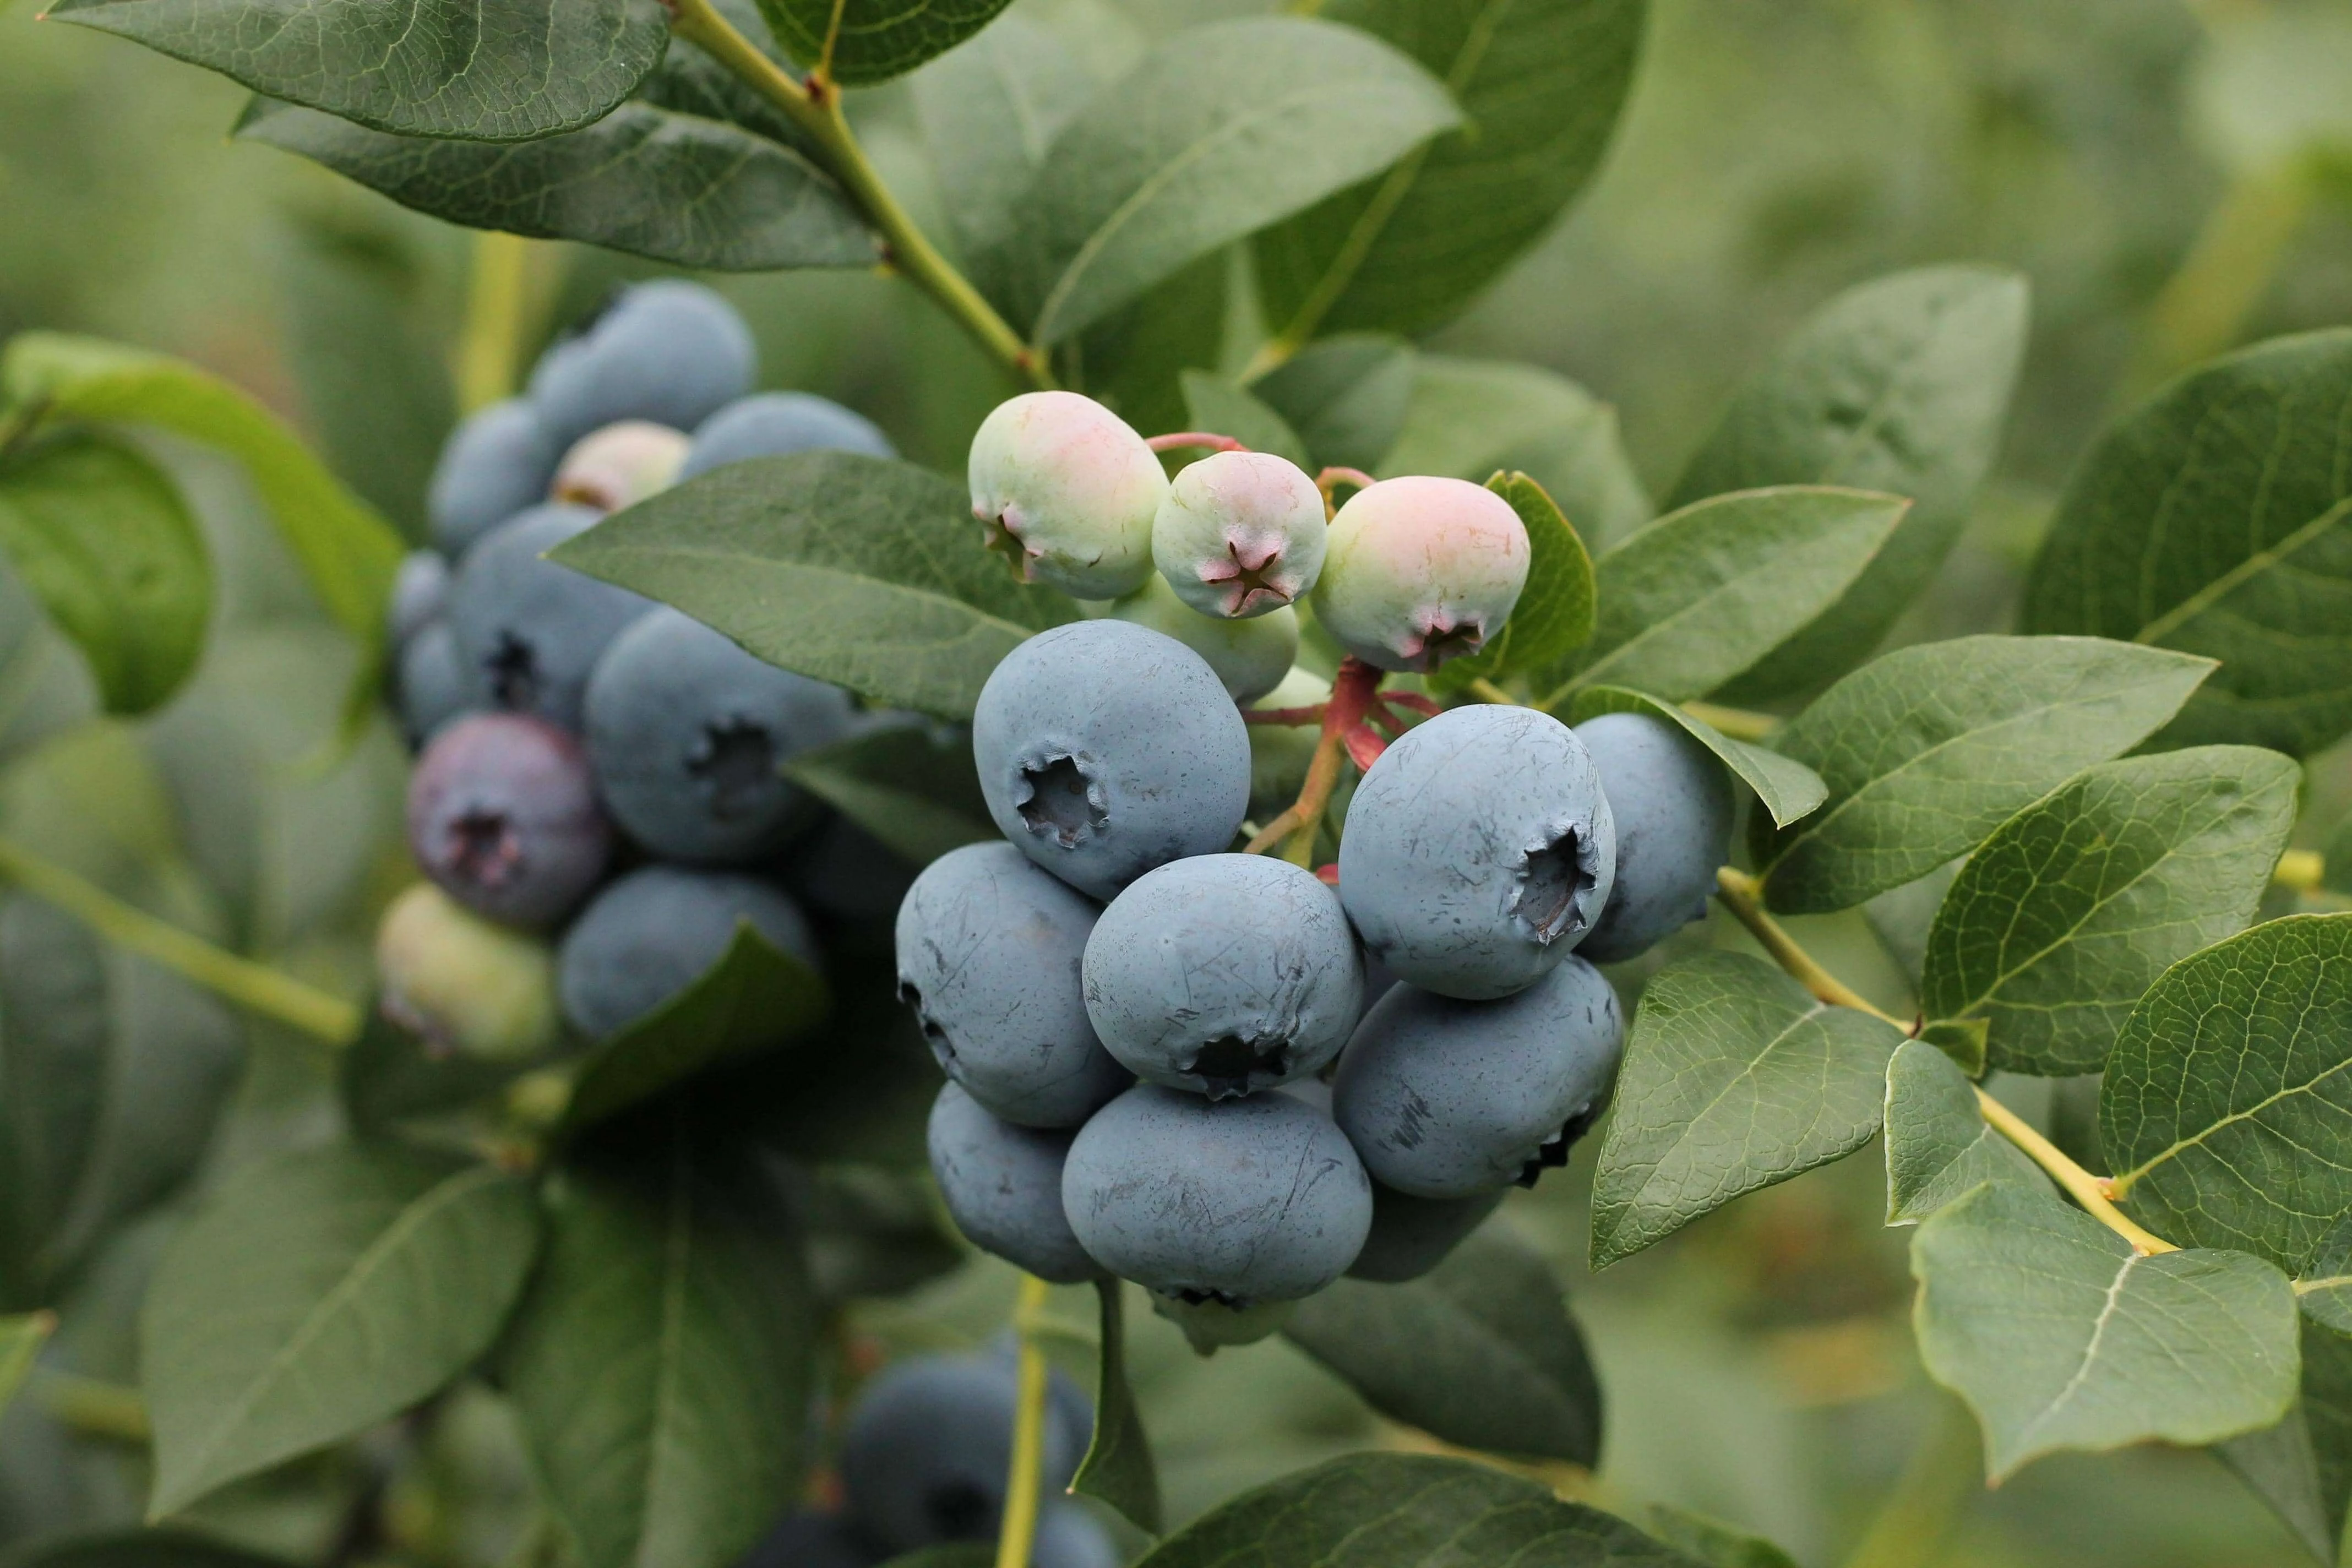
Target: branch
{"points": [[1739, 893], [1025, 1480]]}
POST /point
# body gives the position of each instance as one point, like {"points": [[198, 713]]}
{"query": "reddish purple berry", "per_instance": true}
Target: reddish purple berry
{"points": [[502, 813]]}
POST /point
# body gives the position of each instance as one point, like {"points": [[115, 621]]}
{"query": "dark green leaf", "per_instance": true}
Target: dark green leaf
{"points": [[1407, 1511], [860, 571], [1479, 1352], [954, 1554], [1928, 749], [646, 179], [1900, 384], [1938, 1145], [662, 1364], [1717, 1545], [874, 1231], [142, 1549], [865, 41], [1786, 788], [1117, 1468], [1733, 1079], [1220, 131], [1701, 595], [1220, 405], [2072, 909], [2218, 519], [318, 1294], [103, 540], [2226, 1094], [2302, 1466], [476, 69], [1554, 615], [1540, 85], [913, 790], [1962, 1039], [2325, 1287], [2060, 1336], [1345, 396], [755, 997], [388, 1074], [21, 1338]]}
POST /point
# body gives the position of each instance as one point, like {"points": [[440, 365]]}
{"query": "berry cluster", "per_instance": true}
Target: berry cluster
{"points": [[1227, 1077], [570, 729]]}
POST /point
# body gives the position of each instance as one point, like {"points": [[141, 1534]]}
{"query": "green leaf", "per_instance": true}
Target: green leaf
{"points": [[2302, 1466], [754, 998], [866, 41], [103, 540], [1479, 1352], [1541, 83], [860, 571], [1133, 359], [318, 1294], [646, 179], [475, 69], [2217, 519], [1345, 396], [142, 1549], [1899, 384], [1961, 1040], [2072, 909], [1928, 749], [388, 1075], [1468, 417], [2325, 1289], [1221, 406], [21, 1339], [2226, 1094], [1733, 1079], [1117, 1468], [662, 1365], [1939, 1147], [1408, 1511], [1220, 130], [2335, 867], [1555, 612], [1702, 593], [912, 789], [2059, 1336], [1786, 788], [1718, 1545]]}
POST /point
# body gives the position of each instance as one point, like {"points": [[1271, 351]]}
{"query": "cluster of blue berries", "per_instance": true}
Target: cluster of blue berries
{"points": [[592, 762], [1225, 1077]]}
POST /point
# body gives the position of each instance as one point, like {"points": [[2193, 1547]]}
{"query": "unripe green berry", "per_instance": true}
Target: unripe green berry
{"points": [[1250, 657], [1240, 534], [1420, 571], [1281, 753], [621, 465], [466, 983], [1068, 490]]}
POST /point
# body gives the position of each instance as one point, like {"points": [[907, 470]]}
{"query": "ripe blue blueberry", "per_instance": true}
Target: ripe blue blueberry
{"points": [[532, 631], [929, 1445], [1479, 849], [1420, 569], [1105, 750], [687, 732], [1672, 801], [620, 465], [1250, 657], [420, 590], [988, 954], [1411, 1236], [806, 1538], [433, 684], [1251, 1201], [771, 423], [503, 814], [1240, 534], [1446, 1099], [656, 932], [1223, 974], [1068, 491], [670, 351], [1003, 1184], [496, 464]]}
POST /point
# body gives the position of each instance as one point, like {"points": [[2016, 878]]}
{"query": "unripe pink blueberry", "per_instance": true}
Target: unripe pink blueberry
{"points": [[1240, 534], [1420, 570], [466, 983], [1250, 657], [621, 465], [1068, 491]]}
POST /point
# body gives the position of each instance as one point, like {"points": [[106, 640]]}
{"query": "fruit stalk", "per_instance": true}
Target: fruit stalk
{"points": [[1020, 1531], [1353, 690]]}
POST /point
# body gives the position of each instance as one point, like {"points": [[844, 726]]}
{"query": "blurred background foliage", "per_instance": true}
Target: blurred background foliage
{"points": [[2174, 179]]}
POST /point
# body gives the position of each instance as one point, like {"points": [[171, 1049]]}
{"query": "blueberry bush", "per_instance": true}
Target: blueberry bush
{"points": [[1266, 843]]}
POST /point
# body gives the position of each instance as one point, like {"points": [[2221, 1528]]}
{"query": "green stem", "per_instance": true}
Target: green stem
{"points": [[490, 353], [94, 1408], [815, 108], [255, 987], [1935, 1485], [1019, 1534], [1736, 723], [1743, 896]]}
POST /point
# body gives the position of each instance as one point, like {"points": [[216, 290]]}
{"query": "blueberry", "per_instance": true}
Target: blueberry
{"points": [[1672, 801], [620, 465], [988, 954], [1003, 1184], [434, 686], [1411, 1236], [502, 815], [1478, 850], [420, 590], [1105, 750], [1240, 534], [1068, 491], [1251, 1201], [463, 982], [929, 1444], [1250, 657], [771, 423], [687, 732], [497, 463], [1446, 1099], [1418, 571], [531, 631], [1070, 1537], [670, 351], [656, 932], [1223, 973], [806, 1538]]}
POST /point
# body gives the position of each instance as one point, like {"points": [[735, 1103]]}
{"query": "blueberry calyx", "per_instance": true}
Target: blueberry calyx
{"points": [[1061, 800], [1230, 1065]]}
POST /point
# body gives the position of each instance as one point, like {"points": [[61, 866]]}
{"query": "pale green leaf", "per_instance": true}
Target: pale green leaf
{"points": [[2302, 1466], [1786, 788], [1938, 1145], [1222, 407], [1345, 396], [1713, 1543]]}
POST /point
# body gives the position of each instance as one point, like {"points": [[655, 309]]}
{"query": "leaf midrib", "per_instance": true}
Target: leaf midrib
{"points": [[739, 560], [2229, 582]]}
